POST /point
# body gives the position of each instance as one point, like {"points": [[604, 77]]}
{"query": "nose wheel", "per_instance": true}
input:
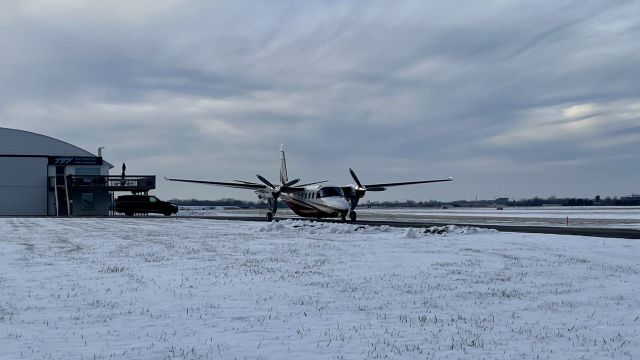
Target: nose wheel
{"points": [[352, 216]]}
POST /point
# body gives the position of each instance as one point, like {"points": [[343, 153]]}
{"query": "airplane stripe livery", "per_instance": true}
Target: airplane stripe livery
{"points": [[311, 209], [314, 200]]}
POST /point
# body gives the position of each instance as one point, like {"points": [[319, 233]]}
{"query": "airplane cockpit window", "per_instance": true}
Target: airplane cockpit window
{"points": [[330, 191]]}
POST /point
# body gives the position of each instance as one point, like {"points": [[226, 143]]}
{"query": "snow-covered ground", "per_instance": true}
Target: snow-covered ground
{"points": [[157, 288]]}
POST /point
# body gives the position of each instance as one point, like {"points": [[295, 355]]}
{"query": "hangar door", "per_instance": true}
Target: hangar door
{"points": [[23, 186]]}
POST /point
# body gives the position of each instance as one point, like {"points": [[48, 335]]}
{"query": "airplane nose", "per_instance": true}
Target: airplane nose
{"points": [[345, 205], [339, 203]]}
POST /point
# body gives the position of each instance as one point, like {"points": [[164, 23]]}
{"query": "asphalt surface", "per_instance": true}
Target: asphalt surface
{"points": [[558, 230]]}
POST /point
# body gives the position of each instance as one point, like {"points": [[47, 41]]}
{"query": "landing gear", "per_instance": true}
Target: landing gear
{"points": [[272, 208], [352, 215], [343, 217]]}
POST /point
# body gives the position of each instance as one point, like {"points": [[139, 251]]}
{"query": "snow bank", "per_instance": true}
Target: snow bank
{"points": [[412, 233], [310, 227], [453, 229]]}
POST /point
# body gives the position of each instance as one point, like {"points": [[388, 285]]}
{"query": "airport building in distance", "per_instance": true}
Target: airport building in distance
{"points": [[43, 176]]}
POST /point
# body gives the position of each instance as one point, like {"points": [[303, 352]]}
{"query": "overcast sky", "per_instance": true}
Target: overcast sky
{"points": [[511, 98]]}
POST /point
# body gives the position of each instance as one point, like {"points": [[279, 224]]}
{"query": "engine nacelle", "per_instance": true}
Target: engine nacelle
{"points": [[264, 195]]}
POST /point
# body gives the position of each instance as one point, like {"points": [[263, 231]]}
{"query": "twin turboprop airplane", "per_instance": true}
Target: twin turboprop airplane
{"points": [[313, 200]]}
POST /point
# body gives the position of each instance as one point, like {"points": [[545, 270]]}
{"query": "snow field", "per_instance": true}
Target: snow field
{"points": [[154, 288]]}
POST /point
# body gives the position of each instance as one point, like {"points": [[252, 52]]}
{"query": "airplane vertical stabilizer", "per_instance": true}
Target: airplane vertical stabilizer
{"points": [[283, 167]]}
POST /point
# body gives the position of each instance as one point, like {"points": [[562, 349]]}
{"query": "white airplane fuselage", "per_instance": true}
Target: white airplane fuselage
{"points": [[317, 201]]}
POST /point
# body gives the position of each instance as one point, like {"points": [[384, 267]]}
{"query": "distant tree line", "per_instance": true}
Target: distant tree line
{"points": [[536, 201]]}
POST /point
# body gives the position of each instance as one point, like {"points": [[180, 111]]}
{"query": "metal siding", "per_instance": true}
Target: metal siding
{"points": [[23, 186], [14, 142], [19, 142]]}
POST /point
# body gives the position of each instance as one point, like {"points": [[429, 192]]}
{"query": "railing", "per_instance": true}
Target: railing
{"points": [[112, 182]]}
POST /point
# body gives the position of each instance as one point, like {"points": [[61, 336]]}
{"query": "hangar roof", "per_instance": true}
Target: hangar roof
{"points": [[26, 143]]}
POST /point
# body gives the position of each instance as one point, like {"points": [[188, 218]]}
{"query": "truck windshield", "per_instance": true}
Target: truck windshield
{"points": [[330, 192]]}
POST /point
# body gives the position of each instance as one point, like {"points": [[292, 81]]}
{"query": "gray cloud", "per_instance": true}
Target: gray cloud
{"points": [[488, 92]]}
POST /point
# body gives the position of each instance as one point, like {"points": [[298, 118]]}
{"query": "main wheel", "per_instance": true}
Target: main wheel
{"points": [[352, 216], [269, 216]]}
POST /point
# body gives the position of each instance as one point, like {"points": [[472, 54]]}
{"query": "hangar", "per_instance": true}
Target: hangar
{"points": [[43, 176]]}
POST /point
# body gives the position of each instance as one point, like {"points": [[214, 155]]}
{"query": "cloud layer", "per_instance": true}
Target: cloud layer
{"points": [[511, 98]]}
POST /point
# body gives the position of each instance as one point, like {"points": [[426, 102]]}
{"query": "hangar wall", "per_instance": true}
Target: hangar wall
{"points": [[23, 186]]}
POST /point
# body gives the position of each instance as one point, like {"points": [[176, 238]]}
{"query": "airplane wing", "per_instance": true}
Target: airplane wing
{"points": [[383, 186], [240, 185]]}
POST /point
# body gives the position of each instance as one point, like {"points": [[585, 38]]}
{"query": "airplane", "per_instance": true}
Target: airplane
{"points": [[313, 200]]}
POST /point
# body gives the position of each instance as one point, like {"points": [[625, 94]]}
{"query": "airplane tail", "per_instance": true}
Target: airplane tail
{"points": [[283, 167]]}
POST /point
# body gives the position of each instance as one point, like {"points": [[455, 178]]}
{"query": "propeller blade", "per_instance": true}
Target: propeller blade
{"points": [[265, 181], [291, 183], [355, 178]]}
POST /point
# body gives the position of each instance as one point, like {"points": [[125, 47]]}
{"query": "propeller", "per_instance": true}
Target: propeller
{"points": [[360, 189], [357, 191], [275, 191], [274, 188], [272, 202]]}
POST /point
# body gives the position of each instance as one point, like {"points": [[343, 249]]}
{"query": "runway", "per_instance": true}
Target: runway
{"points": [[607, 232]]}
